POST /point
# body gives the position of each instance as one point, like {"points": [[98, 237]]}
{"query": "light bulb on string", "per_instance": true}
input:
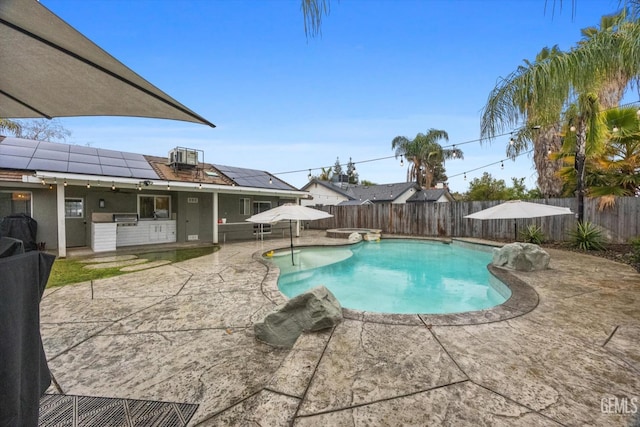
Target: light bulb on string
{"points": [[168, 185], [512, 141], [454, 151], [88, 184], [572, 128], [501, 164], [309, 176], [401, 161], [113, 186], [65, 182], [465, 176], [270, 180]]}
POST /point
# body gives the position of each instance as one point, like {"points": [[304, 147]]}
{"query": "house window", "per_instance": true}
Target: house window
{"points": [[245, 206], [15, 202], [74, 208], [152, 207], [257, 208]]}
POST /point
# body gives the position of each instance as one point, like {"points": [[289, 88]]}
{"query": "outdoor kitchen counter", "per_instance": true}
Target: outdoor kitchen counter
{"points": [[146, 232]]}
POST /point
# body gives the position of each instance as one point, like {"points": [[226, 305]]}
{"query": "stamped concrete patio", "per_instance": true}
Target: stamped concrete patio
{"points": [[183, 333]]}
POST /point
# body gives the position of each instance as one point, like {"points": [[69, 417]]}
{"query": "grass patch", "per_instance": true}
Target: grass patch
{"points": [[68, 270]]}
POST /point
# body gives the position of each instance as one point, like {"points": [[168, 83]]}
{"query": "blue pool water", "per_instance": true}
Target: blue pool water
{"points": [[395, 276]]}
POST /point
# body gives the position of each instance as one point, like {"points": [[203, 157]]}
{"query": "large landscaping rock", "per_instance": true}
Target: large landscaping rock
{"points": [[313, 310], [521, 257], [355, 237]]}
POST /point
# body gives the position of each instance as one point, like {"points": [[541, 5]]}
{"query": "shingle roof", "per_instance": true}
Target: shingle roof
{"points": [[431, 195]]}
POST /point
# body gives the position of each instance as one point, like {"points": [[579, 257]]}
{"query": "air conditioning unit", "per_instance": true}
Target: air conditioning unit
{"points": [[183, 157]]}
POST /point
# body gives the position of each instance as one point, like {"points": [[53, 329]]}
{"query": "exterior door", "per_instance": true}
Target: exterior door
{"points": [[75, 222], [192, 219]]}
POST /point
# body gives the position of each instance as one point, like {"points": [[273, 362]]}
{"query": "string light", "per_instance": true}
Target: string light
{"points": [[50, 187], [501, 165], [454, 151], [572, 128], [65, 183], [270, 180], [88, 184], [168, 185], [43, 183], [512, 141], [139, 187], [465, 176], [200, 186], [615, 129], [309, 176], [113, 185], [401, 161]]}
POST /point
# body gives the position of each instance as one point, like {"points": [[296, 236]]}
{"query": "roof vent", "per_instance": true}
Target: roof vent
{"points": [[183, 158]]}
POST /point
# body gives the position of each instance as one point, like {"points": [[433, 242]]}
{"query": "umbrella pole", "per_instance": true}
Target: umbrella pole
{"points": [[291, 237]]}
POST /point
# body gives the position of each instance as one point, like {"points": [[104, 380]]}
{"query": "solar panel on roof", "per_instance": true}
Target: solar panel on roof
{"points": [[85, 168], [109, 153], [48, 165], [116, 171], [14, 162], [138, 164], [53, 146], [16, 150], [16, 153], [83, 158], [112, 161], [83, 150], [51, 154]]}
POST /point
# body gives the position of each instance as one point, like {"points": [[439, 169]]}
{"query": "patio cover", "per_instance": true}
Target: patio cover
{"points": [[48, 69]]}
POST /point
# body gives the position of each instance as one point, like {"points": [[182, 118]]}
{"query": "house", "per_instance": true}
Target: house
{"points": [[341, 194], [107, 199]]}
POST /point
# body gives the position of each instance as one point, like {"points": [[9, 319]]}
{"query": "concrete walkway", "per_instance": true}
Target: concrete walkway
{"points": [[183, 333]]}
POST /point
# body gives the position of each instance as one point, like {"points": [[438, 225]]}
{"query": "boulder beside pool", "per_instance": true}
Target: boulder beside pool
{"points": [[521, 257], [313, 310]]}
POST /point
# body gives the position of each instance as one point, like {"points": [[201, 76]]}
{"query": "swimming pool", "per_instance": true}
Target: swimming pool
{"points": [[395, 276]]}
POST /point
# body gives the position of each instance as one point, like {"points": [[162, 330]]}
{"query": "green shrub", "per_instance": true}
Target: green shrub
{"points": [[587, 237], [635, 246], [533, 234]]}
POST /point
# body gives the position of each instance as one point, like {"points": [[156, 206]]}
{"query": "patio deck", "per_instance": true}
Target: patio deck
{"points": [[183, 333]]}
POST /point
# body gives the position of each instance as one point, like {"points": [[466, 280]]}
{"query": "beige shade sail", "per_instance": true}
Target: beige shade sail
{"points": [[515, 209], [48, 69]]}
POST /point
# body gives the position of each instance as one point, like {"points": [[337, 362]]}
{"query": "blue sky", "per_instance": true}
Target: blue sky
{"points": [[282, 102]]}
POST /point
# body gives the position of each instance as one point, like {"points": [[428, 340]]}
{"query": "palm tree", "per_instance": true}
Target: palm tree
{"points": [[10, 125], [425, 155], [570, 79], [543, 138], [614, 171]]}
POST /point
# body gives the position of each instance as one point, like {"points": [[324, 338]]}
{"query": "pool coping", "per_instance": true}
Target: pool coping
{"points": [[523, 297]]}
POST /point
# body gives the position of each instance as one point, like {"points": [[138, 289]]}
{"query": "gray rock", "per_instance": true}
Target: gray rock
{"points": [[313, 310], [355, 237], [521, 257]]}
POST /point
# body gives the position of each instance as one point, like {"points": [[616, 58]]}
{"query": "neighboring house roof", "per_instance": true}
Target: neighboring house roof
{"points": [[359, 194], [431, 195], [18, 154]]}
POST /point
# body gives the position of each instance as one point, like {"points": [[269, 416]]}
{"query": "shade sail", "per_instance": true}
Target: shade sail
{"points": [[515, 209], [48, 69], [289, 212]]}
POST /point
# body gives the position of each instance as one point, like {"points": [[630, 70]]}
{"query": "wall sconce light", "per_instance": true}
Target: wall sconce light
{"points": [[101, 203]]}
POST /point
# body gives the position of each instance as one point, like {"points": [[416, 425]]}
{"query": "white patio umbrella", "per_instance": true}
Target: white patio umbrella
{"points": [[515, 209], [48, 69], [289, 212]]}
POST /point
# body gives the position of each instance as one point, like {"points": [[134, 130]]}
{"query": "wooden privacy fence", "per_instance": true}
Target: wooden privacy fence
{"points": [[620, 223]]}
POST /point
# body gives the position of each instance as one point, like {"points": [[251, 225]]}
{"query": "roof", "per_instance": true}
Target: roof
{"points": [[357, 193], [431, 195], [29, 155]]}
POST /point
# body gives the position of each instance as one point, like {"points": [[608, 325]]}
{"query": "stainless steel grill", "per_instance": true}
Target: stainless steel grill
{"points": [[125, 219]]}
